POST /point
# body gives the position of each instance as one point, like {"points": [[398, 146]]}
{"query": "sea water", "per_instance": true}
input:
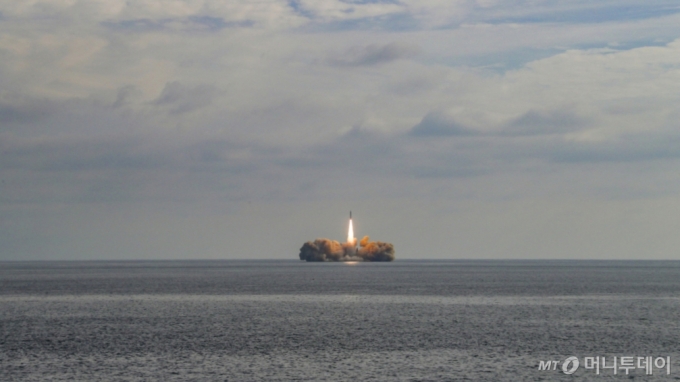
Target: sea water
{"points": [[296, 321]]}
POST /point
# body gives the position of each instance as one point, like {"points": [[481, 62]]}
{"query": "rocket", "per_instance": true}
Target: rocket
{"points": [[350, 215]]}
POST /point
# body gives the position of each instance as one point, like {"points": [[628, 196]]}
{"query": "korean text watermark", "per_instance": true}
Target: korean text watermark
{"points": [[613, 365]]}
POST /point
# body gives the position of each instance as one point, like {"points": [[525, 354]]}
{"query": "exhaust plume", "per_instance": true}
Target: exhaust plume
{"points": [[331, 250], [328, 250], [350, 232]]}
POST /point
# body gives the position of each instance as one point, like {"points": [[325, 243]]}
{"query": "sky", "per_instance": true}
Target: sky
{"points": [[456, 129]]}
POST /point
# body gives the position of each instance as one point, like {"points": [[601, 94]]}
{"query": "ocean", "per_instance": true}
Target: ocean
{"points": [[406, 320]]}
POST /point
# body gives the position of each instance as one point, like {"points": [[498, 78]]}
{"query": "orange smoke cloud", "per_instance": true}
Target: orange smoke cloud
{"points": [[364, 241], [375, 250], [331, 250]]}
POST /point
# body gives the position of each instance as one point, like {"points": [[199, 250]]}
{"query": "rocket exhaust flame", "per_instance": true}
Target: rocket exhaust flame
{"points": [[331, 250], [350, 233]]}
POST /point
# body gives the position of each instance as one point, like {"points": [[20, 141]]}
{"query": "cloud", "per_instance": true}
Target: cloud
{"points": [[187, 24], [179, 98], [375, 54], [19, 113], [437, 14], [208, 101], [74, 154], [123, 95], [438, 124], [333, 10], [535, 122], [591, 13], [640, 147], [126, 167]]}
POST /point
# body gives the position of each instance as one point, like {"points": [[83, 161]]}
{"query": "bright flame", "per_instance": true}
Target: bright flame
{"points": [[350, 233]]}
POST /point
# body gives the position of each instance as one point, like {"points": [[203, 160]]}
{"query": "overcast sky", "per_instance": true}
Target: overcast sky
{"points": [[196, 129]]}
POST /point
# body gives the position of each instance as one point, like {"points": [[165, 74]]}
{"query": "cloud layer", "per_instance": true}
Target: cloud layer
{"points": [[189, 102]]}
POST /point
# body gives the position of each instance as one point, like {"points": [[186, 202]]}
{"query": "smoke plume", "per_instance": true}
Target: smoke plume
{"points": [[331, 250]]}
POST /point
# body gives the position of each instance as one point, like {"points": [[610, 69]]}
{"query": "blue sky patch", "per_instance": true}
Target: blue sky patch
{"points": [[191, 23], [587, 15]]}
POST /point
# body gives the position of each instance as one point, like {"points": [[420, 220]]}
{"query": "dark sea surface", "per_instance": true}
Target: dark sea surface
{"points": [[296, 321]]}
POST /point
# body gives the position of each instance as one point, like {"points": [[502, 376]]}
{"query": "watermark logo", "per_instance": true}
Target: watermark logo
{"points": [[601, 364], [570, 365]]}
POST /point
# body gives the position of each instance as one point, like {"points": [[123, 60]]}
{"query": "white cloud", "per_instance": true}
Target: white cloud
{"points": [[438, 13], [336, 10], [375, 54]]}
